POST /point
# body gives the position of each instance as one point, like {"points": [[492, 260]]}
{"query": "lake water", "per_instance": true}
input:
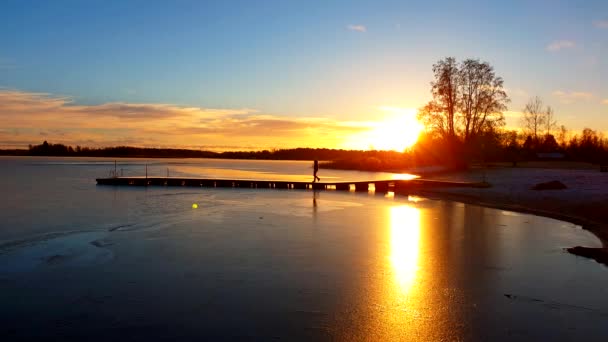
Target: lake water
{"points": [[86, 262]]}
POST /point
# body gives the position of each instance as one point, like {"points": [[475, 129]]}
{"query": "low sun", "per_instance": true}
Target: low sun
{"points": [[397, 132]]}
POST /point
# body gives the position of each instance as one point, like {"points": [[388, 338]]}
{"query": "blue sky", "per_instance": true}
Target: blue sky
{"points": [[300, 60]]}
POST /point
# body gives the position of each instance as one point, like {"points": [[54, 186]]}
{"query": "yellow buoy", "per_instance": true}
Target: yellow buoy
{"points": [[194, 206]]}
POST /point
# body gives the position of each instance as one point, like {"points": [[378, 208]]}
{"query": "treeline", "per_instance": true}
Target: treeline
{"points": [[493, 146], [512, 146], [587, 146], [49, 149], [388, 161]]}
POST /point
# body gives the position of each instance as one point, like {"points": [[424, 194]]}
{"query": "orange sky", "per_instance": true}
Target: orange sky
{"points": [[30, 118], [338, 74]]}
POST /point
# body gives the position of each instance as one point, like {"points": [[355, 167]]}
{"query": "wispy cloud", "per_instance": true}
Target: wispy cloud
{"points": [[560, 45], [573, 96], [512, 114], [358, 28], [31, 117], [517, 92], [601, 24]]}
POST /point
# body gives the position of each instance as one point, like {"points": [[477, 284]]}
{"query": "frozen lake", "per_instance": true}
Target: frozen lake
{"points": [[92, 262]]}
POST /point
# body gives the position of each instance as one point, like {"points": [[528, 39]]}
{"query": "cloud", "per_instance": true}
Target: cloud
{"points": [[573, 96], [517, 92], [560, 45], [601, 24], [512, 114], [29, 118], [358, 28], [42, 105]]}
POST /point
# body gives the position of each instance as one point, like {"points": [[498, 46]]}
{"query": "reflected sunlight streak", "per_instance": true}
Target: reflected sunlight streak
{"points": [[404, 176], [405, 245]]}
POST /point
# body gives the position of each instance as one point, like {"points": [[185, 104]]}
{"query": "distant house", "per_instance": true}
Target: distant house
{"points": [[550, 155]]}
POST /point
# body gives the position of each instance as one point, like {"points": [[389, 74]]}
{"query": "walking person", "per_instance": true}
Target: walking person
{"points": [[316, 168]]}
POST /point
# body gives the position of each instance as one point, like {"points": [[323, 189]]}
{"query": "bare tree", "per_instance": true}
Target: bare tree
{"points": [[562, 136], [439, 115], [533, 119], [468, 98], [550, 122], [482, 98], [435, 120]]}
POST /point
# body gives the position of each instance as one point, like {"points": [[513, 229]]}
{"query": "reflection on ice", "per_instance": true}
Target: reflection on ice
{"points": [[405, 245], [415, 199], [403, 176]]}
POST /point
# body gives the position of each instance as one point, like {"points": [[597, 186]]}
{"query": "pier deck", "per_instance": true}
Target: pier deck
{"points": [[376, 185]]}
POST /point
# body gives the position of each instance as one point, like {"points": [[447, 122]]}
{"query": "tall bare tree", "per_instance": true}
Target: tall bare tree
{"points": [[550, 122], [468, 99], [439, 115], [533, 119], [562, 136], [482, 98]]}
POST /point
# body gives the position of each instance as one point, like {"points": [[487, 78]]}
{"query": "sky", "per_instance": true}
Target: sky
{"points": [[238, 75]]}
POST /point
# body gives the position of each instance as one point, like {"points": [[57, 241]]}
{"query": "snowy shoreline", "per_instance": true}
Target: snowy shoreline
{"points": [[584, 202]]}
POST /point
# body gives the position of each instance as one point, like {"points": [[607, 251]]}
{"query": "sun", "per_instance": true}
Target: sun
{"points": [[398, 131]]}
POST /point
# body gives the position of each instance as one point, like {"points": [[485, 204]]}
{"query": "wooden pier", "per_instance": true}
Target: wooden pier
{"points": [[378, 186]]}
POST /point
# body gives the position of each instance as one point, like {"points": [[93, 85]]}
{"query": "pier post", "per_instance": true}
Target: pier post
{"points": [[381, 187], [299, 185], [343, 186], [361, 187], [318, 186], [402, 188]]}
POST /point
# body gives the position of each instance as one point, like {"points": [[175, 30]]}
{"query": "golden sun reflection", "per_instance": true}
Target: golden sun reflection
{"points": [[404, 176], [405, 245]]}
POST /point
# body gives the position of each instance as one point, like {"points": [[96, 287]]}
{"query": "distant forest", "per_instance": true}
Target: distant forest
{"points": [[492, 146], [376, 160]]}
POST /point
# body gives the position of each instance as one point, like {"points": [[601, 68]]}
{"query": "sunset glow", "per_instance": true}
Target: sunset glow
{"points": [[397, 132], [353, 80], [35, 117], [304, 170]]}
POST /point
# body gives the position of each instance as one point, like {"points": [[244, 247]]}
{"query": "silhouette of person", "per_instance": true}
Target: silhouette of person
{"points": [[316, 168]]}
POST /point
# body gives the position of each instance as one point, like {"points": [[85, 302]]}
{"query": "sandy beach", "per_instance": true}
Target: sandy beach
{"points": [[584, 202]]}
